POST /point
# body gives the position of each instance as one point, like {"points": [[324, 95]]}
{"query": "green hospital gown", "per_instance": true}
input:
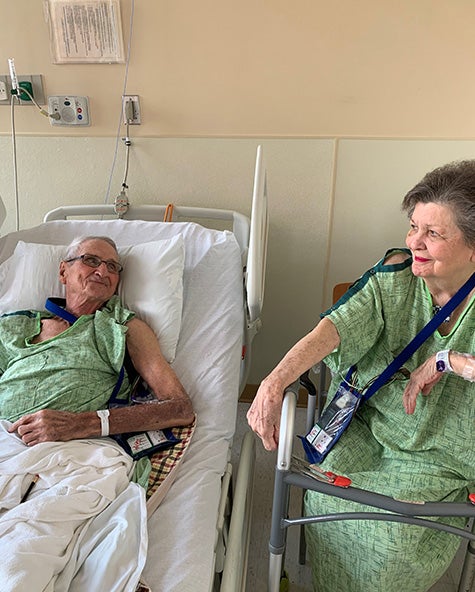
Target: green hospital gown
{"points": [[427, 456], [76, 371]]}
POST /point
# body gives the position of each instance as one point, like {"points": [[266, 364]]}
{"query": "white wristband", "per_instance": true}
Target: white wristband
{"points": [[104, 417], [442, 362]]}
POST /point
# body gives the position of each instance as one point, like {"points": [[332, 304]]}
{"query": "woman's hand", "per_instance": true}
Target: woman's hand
{"points": [[422, 380], [264, 415]]}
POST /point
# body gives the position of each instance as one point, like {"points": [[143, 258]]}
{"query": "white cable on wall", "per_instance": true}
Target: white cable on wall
{"points": [[124, 91], [15, 166]]}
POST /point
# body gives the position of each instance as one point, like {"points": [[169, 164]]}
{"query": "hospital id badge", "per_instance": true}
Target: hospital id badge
{"points": [[146, 443], [332, 423]]}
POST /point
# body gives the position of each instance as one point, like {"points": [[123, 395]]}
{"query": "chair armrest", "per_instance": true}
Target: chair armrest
{"points": [[287, 422]]}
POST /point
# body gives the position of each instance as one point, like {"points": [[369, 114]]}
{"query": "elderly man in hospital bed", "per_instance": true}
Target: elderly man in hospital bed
{"points": [[70, 519]]}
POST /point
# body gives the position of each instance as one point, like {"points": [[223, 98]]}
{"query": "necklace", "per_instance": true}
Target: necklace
{"points": [[436, 308]]}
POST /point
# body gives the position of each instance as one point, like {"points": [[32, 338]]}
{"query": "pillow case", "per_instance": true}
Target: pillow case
{"points": [[151, 283]]}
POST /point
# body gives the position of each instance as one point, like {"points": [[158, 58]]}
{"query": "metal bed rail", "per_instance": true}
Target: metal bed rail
{"points": [[237, 550]]}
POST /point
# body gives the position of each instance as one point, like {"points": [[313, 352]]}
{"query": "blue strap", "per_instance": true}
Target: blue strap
{"points": [[56, 306], [113, 401], [419, 339]]}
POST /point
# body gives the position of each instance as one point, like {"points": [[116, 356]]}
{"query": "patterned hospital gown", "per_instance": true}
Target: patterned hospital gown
{"points": [[429, 455], [76, 371]]}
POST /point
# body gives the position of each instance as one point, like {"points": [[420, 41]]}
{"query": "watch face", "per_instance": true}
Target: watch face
{"points": [[440, 365]]}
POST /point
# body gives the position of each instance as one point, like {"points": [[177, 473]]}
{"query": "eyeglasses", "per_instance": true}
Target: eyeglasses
{"points": [[94, 262]]}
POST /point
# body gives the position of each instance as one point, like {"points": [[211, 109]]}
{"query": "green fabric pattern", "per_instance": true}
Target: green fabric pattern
{"points": [[75, 371], [427, 456]]}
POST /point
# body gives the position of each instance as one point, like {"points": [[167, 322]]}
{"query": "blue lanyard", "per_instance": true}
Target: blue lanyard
{"points": [[56, 306], [419, 339]]}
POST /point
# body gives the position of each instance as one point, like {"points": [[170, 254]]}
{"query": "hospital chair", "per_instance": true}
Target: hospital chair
{"points": [[288, 475]]}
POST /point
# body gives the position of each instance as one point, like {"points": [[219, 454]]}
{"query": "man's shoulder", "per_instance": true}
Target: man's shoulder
{"points": [[31, 314]]}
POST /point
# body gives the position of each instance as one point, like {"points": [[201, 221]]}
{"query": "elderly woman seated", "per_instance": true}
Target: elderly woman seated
{"points": [[400, 444], [57, 374]]}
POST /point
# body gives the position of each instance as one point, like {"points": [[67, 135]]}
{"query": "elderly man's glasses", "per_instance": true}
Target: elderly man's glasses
{"points": [[94, 262]]}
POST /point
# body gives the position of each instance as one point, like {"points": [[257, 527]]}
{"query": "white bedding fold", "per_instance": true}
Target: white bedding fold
{"points": [[82, 527]]}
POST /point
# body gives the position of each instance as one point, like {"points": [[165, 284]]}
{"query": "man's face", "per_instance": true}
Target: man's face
{"points": [[85, 284]]}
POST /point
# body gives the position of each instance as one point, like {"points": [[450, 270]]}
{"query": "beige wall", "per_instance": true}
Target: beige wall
{"points": [[352, 102], [269, 67]]}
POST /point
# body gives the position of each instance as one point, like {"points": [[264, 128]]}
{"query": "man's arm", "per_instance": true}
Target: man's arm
{"points": [[173, 406]]}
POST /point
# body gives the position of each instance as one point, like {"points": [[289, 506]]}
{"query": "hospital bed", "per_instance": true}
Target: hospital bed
{"points": [[293, 472], [199, 533]]}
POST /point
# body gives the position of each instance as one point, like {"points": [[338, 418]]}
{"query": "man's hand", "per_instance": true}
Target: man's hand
{"points": [[46, 425]]}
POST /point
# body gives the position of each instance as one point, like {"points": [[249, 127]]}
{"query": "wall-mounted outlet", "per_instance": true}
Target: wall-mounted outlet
{"points": [[3, 89], [69, 110], [131, 109], [31, 82]]}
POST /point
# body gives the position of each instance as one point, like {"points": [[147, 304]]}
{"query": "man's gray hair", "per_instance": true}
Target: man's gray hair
{"points": [[73, 248]]}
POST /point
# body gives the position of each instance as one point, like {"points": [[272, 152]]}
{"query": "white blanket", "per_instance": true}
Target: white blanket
{"points": [[82, 526]]}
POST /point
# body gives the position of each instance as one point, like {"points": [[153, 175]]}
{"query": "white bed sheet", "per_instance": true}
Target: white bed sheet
{"points": [[182, 531]]}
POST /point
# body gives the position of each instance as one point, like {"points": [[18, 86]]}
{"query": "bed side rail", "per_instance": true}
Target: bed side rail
{"points": [[255, 272], [156, 213], [256, 265], [235, 565], [3, 212]]}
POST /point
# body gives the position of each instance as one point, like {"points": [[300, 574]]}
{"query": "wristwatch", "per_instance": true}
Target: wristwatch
{"points": [[442, 362]]}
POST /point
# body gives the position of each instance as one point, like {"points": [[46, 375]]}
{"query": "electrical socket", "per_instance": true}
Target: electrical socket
{"points": [[36, 81], [3, 89], [131, 109]]}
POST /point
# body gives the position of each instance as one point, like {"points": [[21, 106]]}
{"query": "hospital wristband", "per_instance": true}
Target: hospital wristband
{"points": [[442, 362], [104, 417]]}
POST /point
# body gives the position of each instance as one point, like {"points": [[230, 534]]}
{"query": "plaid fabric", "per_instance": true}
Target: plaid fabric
{"points": [[165, 461]]}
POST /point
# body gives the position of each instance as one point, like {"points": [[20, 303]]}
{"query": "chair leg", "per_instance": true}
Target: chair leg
{"points": [[302, 541], [275, 571], [278, 534], [468, 570]]}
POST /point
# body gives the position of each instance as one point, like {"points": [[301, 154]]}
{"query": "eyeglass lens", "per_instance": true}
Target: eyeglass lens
{"points": [[93, 261]]}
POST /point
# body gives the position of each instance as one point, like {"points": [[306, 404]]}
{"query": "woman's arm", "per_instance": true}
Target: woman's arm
{"points": [[264, 413], [427, 375]]}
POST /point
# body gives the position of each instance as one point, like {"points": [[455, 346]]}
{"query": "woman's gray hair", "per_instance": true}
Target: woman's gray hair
{"points": [[73, 248], [451, 185]]}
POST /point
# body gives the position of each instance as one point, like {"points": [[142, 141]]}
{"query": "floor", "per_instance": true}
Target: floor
{"points": [[299, 576]]}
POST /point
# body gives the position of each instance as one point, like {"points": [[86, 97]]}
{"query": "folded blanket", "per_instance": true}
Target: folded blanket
{"points": [[82, 526]]}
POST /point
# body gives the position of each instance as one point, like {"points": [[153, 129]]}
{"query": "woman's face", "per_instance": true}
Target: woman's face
{"points": [[438, 248]]}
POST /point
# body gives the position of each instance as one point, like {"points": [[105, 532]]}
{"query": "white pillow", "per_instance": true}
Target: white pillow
{"points": [[151, 284]]}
